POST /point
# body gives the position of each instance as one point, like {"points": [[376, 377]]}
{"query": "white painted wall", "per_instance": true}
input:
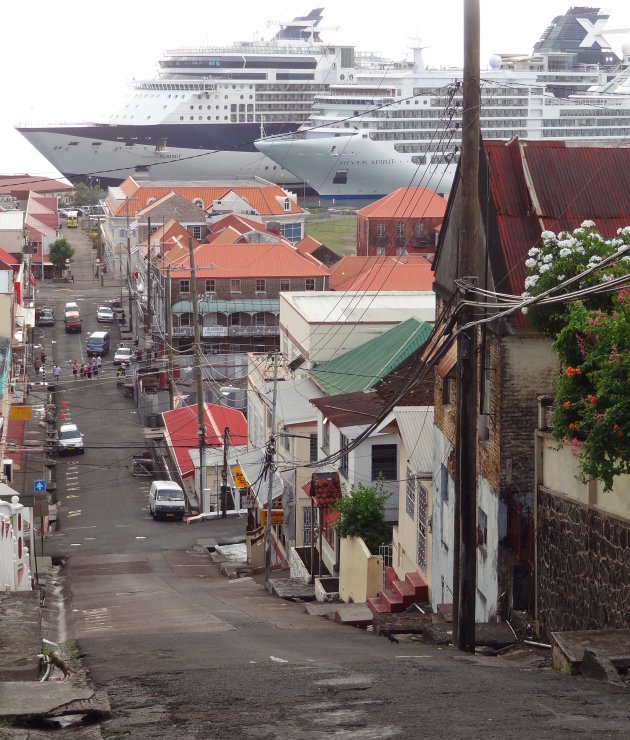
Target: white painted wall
{"points": [[442, 536]]}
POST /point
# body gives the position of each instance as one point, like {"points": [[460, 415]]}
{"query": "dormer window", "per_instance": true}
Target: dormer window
{"points": [[287, 204]]}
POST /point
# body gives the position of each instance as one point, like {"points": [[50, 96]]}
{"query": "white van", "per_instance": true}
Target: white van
{"points": [[166, 499]]}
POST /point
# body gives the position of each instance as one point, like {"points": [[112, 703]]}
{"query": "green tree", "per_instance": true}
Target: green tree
{"points": [[361, 513], [60, 251], [86, 195]]}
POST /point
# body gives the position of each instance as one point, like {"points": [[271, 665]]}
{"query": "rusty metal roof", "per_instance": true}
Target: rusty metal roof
{"points": [[543, 185]]}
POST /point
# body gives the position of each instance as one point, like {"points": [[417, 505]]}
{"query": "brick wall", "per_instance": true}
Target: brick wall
{"points": [[582, 568], [368, 239], [248, 287]]}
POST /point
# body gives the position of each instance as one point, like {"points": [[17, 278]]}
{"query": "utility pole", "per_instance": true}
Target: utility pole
{"points": [[201, 413], [99, 250], [148, 324], [224, 472], [169, 337], [271, 469], [466, 443], [129, 269]]}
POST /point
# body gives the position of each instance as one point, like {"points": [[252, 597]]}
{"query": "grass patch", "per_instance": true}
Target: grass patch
{"points": [[337, 233]]}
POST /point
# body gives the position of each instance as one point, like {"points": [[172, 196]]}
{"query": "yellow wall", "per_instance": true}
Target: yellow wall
{"points": [[360, 573], [559, 471]]}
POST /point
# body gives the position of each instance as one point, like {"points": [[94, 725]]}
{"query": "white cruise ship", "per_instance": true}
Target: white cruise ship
{"points": [[386, 129], [200, 116]]}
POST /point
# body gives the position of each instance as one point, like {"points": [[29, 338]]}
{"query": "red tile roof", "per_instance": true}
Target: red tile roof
{"points": [[407, 203], [267, 200], [21, 185], [308, 245], [181, 425], [412, 272], [172, 234], [277, 259], [242, 224]]}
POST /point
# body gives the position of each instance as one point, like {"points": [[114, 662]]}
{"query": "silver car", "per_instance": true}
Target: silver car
{"points": [[70, 439], [104, 314]]}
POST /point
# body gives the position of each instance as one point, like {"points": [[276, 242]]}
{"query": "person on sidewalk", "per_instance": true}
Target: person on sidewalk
{"points": [[89, 371], [75, 369], [95, 368], [99, 362], [56, 373], [82, 371]]}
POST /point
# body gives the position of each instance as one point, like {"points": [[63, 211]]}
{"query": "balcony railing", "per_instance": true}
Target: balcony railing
{"points": [[183, 331]]}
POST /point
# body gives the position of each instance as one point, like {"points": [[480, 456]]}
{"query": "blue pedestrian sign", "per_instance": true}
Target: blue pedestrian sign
{"points": [[39, 486]]}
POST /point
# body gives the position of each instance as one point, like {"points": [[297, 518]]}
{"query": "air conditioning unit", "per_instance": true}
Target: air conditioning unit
{"points": [[7, 470]]}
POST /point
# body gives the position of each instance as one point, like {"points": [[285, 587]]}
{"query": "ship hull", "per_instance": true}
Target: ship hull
{"points": [[352, 166], [111, 153]]}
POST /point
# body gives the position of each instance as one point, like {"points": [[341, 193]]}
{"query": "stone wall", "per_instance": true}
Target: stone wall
{"points": [[583, 566]]}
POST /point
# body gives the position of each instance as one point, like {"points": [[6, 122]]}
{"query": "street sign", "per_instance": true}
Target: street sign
{"points": [[248, 502], [98, 261], [277, 517], [239, 478], [39, 486], [21, 413], [67, 261]]}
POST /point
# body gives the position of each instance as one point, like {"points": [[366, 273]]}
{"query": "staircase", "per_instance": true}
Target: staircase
{"points": [[397, 595]]}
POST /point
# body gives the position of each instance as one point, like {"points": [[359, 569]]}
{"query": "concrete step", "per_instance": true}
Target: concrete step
{"points": [[377, 606], [393, 600], [406, 591], [420, 586], [446, 612]]}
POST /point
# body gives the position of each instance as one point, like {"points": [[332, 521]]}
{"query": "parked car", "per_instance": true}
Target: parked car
{"points": [[46, 317], [98, 343], [166, 499], [123, 354], [104, 314], [70, 439]]}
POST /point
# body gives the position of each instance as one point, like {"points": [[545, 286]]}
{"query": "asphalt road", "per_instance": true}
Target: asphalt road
{"points": [[185, 653]]}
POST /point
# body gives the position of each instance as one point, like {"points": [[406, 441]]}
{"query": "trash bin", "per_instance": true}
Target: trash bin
{"points": [[153, 421]]}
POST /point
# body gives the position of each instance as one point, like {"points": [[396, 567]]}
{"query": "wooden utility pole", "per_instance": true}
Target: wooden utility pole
{"points": [[129, 269], [204, 506], [271, 469], [169, 337], [148, 322], [224, 472], [466, 444]]}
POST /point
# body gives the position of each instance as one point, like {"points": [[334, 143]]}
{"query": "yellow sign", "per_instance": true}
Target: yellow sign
{"points": [[21, 413], [239, 479], [277, 517]]}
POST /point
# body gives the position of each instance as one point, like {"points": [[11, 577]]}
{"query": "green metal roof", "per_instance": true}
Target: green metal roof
{"points": [[361, 368], [253, 305]]}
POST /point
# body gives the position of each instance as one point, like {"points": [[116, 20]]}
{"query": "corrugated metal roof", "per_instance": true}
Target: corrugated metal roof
{"points": [[293, 404], [406, 203], [348, 409], [264, 260], [361, 368], [382, 273], [363, 307], [543, 185], [415, 424]]}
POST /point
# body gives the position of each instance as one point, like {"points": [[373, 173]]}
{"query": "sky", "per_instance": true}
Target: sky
{"points": [[74, 64]]}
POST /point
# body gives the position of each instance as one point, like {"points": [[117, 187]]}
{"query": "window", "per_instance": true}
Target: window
{"points": [[235, 319], [313, 447], [421, 540], [287, 204], [447, 383], [384, 461], [309, 284], [210, 286], [184, 286], [196, 232], [484, 401], [285, 285], [261, 285], [419, 229], [235, 285], [380, 231], [343, 460], [325, 437], [285, 439], [400, 229], [410, 494], [259, 319], [482, 527]]}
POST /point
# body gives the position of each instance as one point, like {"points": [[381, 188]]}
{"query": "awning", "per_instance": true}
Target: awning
{"points": [[251, 464], [252, 305]]}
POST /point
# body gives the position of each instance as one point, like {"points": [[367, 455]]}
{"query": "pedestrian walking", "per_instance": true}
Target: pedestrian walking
{"points": [[75, 369], [99, 362], [82, 371], [89, 371], [42, 357], [95, 368], [56, 373]]}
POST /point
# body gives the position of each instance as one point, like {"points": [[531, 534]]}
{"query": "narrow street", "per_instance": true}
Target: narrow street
{"points": [[184, 652]]}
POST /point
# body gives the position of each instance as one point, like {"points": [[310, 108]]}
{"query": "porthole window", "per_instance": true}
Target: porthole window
{"points": [[181, 118]]}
